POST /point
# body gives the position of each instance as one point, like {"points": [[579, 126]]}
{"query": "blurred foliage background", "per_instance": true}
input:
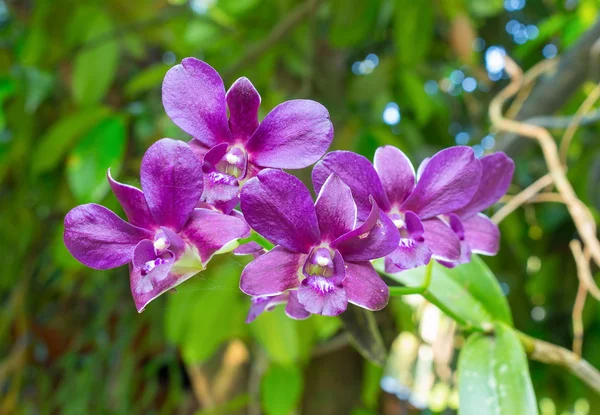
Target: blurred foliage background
{"points": [[80, 92]]}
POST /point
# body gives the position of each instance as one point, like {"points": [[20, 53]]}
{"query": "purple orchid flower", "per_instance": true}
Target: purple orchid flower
{"points": [[446, 183], [477, 233], [167, 239], [293, 308], [321, 252], [294, 135]]}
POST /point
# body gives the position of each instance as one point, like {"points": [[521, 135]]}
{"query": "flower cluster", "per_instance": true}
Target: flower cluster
{"points": [[321, 259]]}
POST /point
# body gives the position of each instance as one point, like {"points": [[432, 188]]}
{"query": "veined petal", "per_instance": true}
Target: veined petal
{"points": [[449, 181], [320, 295], [171, 177], [409, 254], [375, 238], [441, 240], [273, 273], [193, 95], [243, 101], [336, 210], [100, 239], [210, 231], [482, 235], [364, 287], [294, 309], [133, 202], [358, 173], [496, 174], [279, 207], [295, 134], [396, 173]]}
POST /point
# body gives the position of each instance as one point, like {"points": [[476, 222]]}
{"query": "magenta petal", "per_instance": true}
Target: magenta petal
{"points": [[213, 156], [273, 273], [358, 173], [193, 95], [409, 254], [295, 134], [364, 287], [243, 101], [294, 309], [441, 240], [264, 303], [209, 231], [250, 248], [100, 239], [144, 252], [336, 210], [482, 235], [199, 149], [375, 238], [496, 174], [319, 295], [449, 181], [171, 176], [133, 202], [396, 173], [279, 207]]}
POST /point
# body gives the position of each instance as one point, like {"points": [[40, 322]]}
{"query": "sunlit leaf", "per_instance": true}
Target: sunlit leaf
{"points": [[414, 30], [101, 148], [61, 135], [493, 376], [485, 8], [281, 388], [95, 66], [147, 79], [414, 91]]}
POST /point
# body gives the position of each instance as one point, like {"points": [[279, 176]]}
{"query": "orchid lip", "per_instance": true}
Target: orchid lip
{"points": [[319, 262]]}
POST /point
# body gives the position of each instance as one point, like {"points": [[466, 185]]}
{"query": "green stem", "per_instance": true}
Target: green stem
{"points": [[259, 239], [421, 289]]}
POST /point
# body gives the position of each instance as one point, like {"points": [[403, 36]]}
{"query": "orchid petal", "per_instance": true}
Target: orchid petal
{"points": [[364, 287], [295, 134], [100, 239], [319, 295], [210, 231], [279, 207], [482, 235], [171, 177], [243, 101], [375, 238], [449, 181], [441, 240], [294, 309], [133, 202], [273, 273], [396, 173], [336, 210], [358, 173], [409, 254], [496, 174], [193, 95], [264, 303]]}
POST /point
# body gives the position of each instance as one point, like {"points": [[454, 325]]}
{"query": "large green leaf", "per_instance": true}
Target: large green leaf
{"points": [[352, 22], [61, 135], [420, 102], [149, 78], [96, 64], [469, 291], [414, 30], [493, 376], [100, 149], [285, 341], [206, 311], [485, 8], [281, 388]]}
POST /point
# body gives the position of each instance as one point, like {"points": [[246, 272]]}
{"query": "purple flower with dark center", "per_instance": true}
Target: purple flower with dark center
{"points": [[294, 135], [321, 252], [477, 233], [446, 183], [293, 308], [167, 239]]}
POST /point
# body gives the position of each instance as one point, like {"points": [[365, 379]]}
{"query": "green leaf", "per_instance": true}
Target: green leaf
{"points": [[419, 101], [414, 29], [100, 149], [286, 341], [448, 294], [147, 79], [365, 335], [62, 135], [281, 388], [352, 22], [493, 376], [485, 8], [95, 65], [206, 311]]}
